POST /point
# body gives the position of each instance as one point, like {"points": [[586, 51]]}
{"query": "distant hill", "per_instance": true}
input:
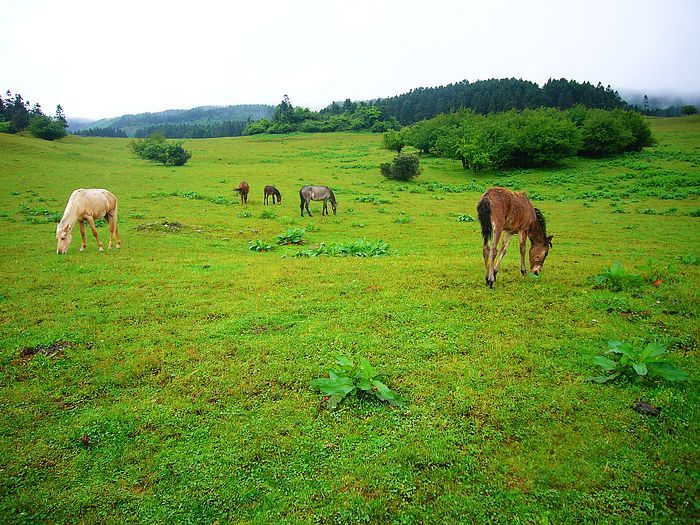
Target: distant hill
{"points": [[202, 116]]}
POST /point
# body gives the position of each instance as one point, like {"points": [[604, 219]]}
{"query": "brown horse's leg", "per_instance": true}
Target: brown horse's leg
{"points": [[91, 222], [82, 234], [523, 247], [487, 251], [491, 278], [506, 239]]}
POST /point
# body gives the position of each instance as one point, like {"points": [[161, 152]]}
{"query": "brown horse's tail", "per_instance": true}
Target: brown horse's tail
{"points": [[484, 211]]}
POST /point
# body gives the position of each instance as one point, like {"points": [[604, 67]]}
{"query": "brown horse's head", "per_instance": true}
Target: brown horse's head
{"points": [[538, 253], [63, 238]]}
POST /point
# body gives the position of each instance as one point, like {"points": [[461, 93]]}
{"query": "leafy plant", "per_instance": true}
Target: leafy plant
{"points": [[291, 236], [259, 245], [465, 218], [689, 258], [615, 278], [358, 248], [644, 363], [268, 214], [656, 275], [245, 214], [350, 378]]}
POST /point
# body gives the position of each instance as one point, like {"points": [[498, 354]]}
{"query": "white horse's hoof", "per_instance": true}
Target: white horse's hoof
{"points": [[82, 249], [101, 249]]}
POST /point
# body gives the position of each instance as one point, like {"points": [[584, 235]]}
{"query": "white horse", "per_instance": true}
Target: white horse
{"points": [[87, 205]]}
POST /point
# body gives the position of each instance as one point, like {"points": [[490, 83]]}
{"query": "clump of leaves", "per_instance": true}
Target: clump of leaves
{"points": [[465, 218], [689, 258], [656, 275], [615, 278], [358, 248], [268, 214], [648, 362], [350, 377], [259, 245], [291, 236], [245, 214]]}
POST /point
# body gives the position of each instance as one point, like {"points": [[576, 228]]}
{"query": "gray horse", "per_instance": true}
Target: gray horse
{"points": [[316, 193]]}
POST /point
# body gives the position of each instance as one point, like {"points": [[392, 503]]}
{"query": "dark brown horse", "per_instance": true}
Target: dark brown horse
{"points": [[243, 190], [271, 190], [505, 212]]}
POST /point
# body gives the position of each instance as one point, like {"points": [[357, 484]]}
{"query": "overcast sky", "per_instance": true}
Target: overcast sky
{"points": [[104, 59]]}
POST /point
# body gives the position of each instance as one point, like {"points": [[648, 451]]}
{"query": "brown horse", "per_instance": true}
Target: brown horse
{"points": [[87, 205], [243, 190], [502, 211], [271, 190]]}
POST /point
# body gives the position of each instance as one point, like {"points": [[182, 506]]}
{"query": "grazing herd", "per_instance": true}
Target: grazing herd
{"points": [[502, 213]]}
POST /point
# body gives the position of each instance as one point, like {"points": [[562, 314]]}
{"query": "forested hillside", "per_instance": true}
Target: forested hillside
{"points": [[200, 118], [495, 95]]}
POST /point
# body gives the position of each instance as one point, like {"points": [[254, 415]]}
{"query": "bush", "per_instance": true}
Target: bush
{"points": [[7, 127], [157, 149], [394, 141], [403, 167], [47, 128]]}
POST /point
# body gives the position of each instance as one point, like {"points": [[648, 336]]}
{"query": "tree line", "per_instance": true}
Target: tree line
{"points": [[495, 96], [527, 138], [17, 114]]}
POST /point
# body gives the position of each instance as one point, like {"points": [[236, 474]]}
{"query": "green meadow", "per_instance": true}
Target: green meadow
{"points": [[168, 382]]}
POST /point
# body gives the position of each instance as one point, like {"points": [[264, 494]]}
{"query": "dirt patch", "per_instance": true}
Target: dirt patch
{"points": [[54, 350], [163, 226]]}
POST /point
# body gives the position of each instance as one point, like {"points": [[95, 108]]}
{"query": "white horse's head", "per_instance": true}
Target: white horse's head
{"points": [[63, 238]]}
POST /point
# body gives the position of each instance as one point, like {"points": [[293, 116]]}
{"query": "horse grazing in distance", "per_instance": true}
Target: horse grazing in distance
{"points": [[243, 190], [505, 212], [87, 205], [317, 193], [271, 190]]}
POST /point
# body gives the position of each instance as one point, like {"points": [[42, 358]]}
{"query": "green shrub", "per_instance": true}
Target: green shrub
{"points": [[47, 128], [157, 149], [636, 363], [353, 378], [403, 167]]}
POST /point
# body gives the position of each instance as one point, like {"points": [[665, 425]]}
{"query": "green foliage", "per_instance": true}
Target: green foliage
{"points": [[403, 167], [394, 141], [465, 218], [350, 377], [157, 149], [357, 248], [616, 279], [636, 363], [268, 214], [259, 245], [291, 236], [47, 128], [656, 274], [689, 110]]}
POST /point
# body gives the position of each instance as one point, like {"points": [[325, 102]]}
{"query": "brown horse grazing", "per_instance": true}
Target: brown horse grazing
{"points": [[271, 190], [243, 190], [502, 211], [87, 205]]}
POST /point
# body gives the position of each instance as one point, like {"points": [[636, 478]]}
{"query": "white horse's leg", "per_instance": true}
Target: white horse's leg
{"points": [[91, 221], [82, 235]]}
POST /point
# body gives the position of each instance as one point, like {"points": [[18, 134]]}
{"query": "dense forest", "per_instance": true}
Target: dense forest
{"points": [[17, 114], [496, 95], [482, 97]]}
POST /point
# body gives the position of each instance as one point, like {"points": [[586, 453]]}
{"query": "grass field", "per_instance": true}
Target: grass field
{"points": [[168, 382]]}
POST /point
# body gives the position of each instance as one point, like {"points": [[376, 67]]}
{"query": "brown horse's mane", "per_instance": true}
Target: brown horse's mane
{"points": [[542, 222]]}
